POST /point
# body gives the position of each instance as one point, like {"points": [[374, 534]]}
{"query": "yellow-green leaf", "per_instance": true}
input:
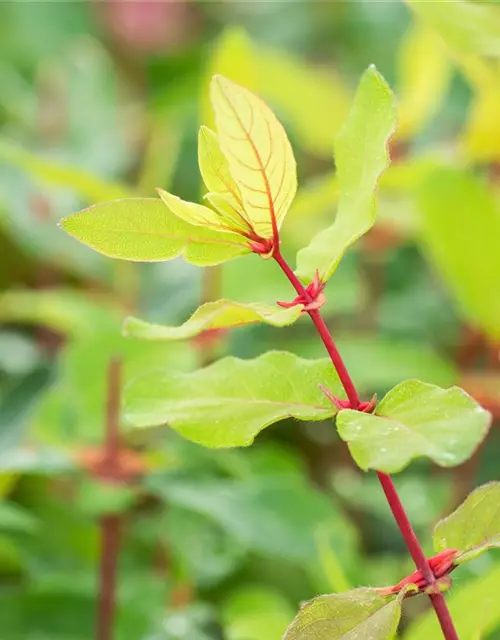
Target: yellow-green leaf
{"points": [[48, 171], [424, 77], [214, 168], [221, 314], [360, 613], [258, 152], [361, 156], [474, 527], [481, 138], [144, 230], [465, 26], [192, 213]]}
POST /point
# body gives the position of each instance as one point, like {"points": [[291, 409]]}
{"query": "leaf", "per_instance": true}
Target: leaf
{"points": [[228, 403], [85, 184], [474, 527], [258, 154], [360, 157], [143, 229], [465, 254], [415, 419], [255, 612], [360, 613], [192, 213], [481, 138], [473, 607], [66, 311], [15, 518], [314, 102], [277, 516], [424, 77], [221, 314], [465, 26]]}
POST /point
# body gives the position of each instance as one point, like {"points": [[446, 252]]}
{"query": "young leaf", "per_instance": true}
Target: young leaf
{"points": [[258, 154], [220, 314], [415, 419], [465, 253], [228, 403], [360, 613], [191, 212], [360, 156], [144, 230], [474, 527]]}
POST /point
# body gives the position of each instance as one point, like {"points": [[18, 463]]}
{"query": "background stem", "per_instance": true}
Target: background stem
{"points": [[395, 504]]}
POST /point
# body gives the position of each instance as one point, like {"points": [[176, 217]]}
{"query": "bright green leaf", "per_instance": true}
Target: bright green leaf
{"points": [[473, 608], [481, 138], [221, 314], [474, 527], [415, 419], [424, 75], [360, 613], [360, 156], [255, 613], [228, 403], [258, 153], [460, 230], [465, 26], [144, 230]]}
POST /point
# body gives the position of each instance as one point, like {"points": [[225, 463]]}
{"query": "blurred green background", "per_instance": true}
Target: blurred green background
{"points": [[101, 100]]}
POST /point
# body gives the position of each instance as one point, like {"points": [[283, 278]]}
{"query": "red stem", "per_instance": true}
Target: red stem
{"points": [[395, 504]]}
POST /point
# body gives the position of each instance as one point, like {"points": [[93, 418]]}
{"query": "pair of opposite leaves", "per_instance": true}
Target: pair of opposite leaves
{"points": [[248, 167]]}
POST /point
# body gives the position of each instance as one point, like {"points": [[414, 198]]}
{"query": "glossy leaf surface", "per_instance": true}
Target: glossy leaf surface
{"points": [[415, 419]]}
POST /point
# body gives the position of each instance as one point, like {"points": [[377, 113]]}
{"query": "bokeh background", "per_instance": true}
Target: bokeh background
{"points": [[103, 99]]}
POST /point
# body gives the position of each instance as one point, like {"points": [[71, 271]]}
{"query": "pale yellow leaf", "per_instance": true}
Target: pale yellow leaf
{"points": [[481, 139], [258, 152], [424, 76]]}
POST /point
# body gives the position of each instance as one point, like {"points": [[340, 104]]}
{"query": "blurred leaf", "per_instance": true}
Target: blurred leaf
{"points": [[19, 355], [15, 518], [360, 156], [314, 101], [361, 613], [88, 186], [66, 311], [474, 527], [228, 403], [275, 516], [473, 607], [74, 410], [221, 314], [415, 419], [143, 229], [465, 26], [424, 75], [196, 622], [481, 138], [258, 153], [206, 550], [460, 227], [255, 613]]}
